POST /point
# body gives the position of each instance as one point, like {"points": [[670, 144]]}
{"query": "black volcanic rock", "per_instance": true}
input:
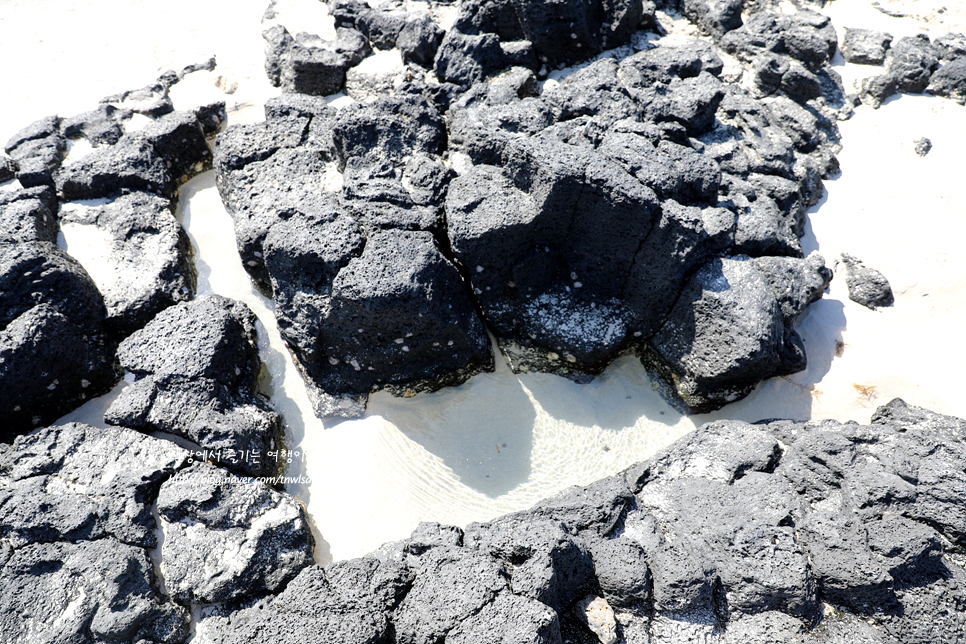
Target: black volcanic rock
{"points": [[714, 350], [8, 169], [867, 286], [913, 61], [865, 47], [387, 311], [750, 530], [715, 18], [26, 216], [38, 151], [575, 213], [147, 260], [227, 537], [74, 482], [54, 350], [289, 152], [91, 591], [196, 365], [100, 126], [131, 164], [950, 80]]}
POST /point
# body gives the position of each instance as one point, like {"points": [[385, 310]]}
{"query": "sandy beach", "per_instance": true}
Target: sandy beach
{"points": [[502, 441]]}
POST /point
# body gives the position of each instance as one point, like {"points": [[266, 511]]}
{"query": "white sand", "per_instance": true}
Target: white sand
{"points": [[501, 442]]}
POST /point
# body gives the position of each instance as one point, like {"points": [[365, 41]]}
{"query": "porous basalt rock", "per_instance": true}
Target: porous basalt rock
{"points": [[196, 367], [84, 511], [865, 47], [91, 591], [55, 352], [867, 286], [227, 537], [568, 220], [74, 482], [28, 215], [818, 531], [147, 266]]}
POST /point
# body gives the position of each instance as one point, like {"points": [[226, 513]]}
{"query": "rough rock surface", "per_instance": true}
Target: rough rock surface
{"points": [[916, 64], [227, 537], [566, 221], [195, 367], [146, 265], [365, 296], [77, 516], [54, 349], [38, 151], [82, 508], [782, 531], [27, 215], [865, 46], [74, 482], [867, 286], [99, 591]]}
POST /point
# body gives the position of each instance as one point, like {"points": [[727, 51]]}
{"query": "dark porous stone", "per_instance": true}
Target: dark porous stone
{"points": [[311, 70], [388, 128], [101, 126], [509, 618], [26, 216], [781, 531], [950, 80], [923, 146], [867, 286], [277, 43], [55, 353], [227, 537], [215, 339], [270, 171], [692, 102], [468, 59], [549, 564], [382, 25], [875, 89], [49, 365], [8, 169], [196, 365], [91, 591], [180, 140], [38, 151], [75, 482], [622, 569], [144, 234], [659, 64], [377, 198], [345, 603], [912, 63], [865, 46], [575, 212], [714, 17], [806, 36], [847, 571], [131, 164], [451, 585], [151, 100], [419, 39], [712, 350], [418, 324]]}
